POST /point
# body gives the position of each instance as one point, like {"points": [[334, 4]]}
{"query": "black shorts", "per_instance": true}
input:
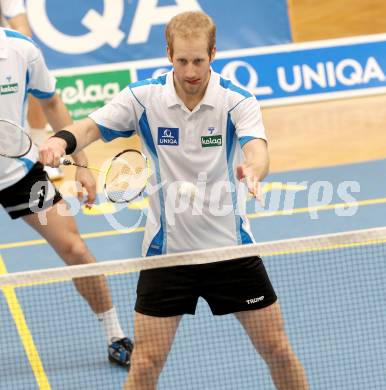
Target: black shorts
{"points": [[227, 286], [32, 194]]}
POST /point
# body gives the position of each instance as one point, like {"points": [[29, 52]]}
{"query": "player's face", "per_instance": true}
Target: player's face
{"points": [[191, 63]]}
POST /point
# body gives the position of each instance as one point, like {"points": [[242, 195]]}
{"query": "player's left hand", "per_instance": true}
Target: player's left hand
{"points": [[87, 182], [247, 172]]}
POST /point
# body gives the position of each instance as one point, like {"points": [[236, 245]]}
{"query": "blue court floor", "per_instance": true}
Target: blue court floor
{"points": [[333, 301]]}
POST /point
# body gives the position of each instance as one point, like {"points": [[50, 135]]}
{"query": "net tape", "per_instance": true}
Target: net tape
{"points": [[270, 248]]}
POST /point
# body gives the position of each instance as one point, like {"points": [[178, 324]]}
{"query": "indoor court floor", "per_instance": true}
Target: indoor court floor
{"points": [[335, 358], [310, 145]]}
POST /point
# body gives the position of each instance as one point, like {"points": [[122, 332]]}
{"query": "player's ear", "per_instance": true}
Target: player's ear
{"points": [[213, 54], [169, 53]]}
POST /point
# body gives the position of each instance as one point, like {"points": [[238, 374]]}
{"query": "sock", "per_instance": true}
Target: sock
{"points": [[110, 324]]}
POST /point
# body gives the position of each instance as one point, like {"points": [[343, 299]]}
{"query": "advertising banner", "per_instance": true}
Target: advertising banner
{"points": [[75, 33], [84, 93], [276, 75], [302, 72]]}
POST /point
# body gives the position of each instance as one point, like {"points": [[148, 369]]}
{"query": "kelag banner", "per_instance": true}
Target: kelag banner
{"points": [[75, 33], [84, 93]]}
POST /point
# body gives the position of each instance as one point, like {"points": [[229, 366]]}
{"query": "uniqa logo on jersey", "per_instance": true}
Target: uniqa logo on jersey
{"points": [[168, 136]]}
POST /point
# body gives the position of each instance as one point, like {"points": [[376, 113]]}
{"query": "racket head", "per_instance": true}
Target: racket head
{"points": [[127, 176], [14, 141]]}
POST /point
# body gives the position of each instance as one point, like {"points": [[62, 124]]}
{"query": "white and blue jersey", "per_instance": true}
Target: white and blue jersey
{"points": [[202, 146], [22, 71]]}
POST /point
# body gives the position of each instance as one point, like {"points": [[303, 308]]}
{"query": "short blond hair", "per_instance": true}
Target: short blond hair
{"points": [[191, 24]]}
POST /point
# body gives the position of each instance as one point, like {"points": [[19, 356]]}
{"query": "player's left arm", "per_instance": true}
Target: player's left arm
{"points": [[255, 166], [251, 134]]}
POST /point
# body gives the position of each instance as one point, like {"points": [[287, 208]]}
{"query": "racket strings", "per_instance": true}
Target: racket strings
{"points": [[127, 177]]}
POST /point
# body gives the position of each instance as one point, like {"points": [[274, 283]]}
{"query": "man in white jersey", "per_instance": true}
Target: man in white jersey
{"points": [[25, 190], [15, 17], [193, 123]]}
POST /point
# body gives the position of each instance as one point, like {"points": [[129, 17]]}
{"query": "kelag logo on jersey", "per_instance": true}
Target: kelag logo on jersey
{"points": [[6, 89], [211, 140], [168, 136]]}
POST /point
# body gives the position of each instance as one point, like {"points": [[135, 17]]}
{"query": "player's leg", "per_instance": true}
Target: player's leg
{"points": [[35, 199], [266, 330], [243, 287], [61, 233], [163, 296], [153, 338]]}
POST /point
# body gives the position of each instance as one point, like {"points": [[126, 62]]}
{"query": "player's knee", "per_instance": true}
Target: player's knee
{"points": [[147, 364], [75, 251], [278, 352]]}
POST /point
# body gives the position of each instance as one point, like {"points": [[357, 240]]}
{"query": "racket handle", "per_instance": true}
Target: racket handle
{"points": [[64, 161]]}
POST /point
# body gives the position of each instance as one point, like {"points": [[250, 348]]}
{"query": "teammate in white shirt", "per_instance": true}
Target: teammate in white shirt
{"points": [[25, 190], [15, 17], [193, 123]]}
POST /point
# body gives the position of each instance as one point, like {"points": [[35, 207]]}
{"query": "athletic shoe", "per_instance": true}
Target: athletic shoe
{"points": [[120, 351]]}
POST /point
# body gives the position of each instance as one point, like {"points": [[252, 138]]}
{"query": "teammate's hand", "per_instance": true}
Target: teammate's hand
{"points": [[87, 182], [51, 150], [248, 174]]}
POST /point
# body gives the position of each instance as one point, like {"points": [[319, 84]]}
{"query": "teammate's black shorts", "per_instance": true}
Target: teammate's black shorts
{"points": [[227, 286], [32, 194]]}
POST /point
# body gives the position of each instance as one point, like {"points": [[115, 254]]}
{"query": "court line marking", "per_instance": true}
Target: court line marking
{"points": [[107, 233], [24, 333], [367, 202], [260, 214]]}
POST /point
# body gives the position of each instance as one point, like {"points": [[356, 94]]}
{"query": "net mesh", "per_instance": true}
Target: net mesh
{"points": [[331, 290]]}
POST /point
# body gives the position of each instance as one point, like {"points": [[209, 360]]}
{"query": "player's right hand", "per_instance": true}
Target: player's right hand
{"points": [[51, 150]]}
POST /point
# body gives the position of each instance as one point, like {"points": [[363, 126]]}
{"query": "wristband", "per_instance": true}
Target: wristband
{"points": [[69, 138]]}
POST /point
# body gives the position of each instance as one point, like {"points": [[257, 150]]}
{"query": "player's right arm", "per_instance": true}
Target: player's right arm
{"points": [[118, 118], [82, 133]]}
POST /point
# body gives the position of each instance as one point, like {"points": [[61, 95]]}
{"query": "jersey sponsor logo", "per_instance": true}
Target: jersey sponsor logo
{"points": [[168, 136], [6, 89], [211, 140], [255, 300]]}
